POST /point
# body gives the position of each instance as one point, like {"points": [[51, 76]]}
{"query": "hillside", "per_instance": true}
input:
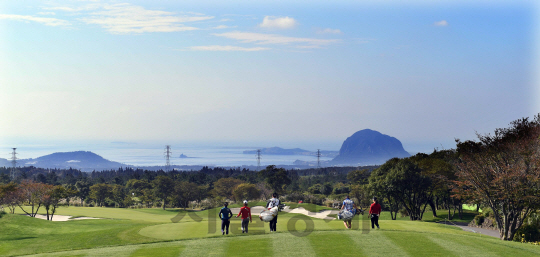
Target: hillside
{"points": [[83, 160]]}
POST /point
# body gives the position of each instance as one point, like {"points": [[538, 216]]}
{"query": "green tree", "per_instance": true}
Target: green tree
{"points": [[503, 172], [163, 188], [136, 186], [225, 186], [358, 177], [83, 190], [9, 196], [246, 191], [53, 197], [184, 192], [118, 195], [380, 187], [99, 192], [276, 179]]}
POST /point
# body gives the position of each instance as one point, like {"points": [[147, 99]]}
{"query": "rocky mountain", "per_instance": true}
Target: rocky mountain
{"points": [[83, 160], [367, 147]]}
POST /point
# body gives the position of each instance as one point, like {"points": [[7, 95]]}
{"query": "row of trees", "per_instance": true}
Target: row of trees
{"points": [[500, 171]]}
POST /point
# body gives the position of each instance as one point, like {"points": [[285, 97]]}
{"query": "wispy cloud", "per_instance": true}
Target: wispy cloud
{"points": [[223, 27], [126, 18], [46, 13], [278, 22], [42, 20], [329, 31], [227, 48], [442, 23], [265, 39]]}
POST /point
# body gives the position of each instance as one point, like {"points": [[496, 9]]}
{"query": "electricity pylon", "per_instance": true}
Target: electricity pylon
{"points": [[168, 154], [258, 159], [13, 163]]}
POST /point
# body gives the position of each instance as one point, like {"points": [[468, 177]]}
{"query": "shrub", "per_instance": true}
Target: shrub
{"points": [[527, 233], [403, 212], [487, 212], [294, 197], [479, 219]]}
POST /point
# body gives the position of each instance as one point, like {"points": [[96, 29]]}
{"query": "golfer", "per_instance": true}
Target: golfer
{"points": [[274, 202], [225, 214], [348, 205], [246, 213], [374, 212]]}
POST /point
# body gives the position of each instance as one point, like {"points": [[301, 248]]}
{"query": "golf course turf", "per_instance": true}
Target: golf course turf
{"points": [[150, 232]]}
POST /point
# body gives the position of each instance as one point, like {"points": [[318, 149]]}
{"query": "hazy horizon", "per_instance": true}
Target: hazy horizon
{"points": [[304, 74]]}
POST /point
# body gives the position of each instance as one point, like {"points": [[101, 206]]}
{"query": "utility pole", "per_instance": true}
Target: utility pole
{"points": [[13, 164], [168, 154], [258, 159], [318, 158]]}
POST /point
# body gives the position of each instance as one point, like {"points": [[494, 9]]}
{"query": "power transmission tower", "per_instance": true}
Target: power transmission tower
{"points": [[258, 159], [318, 158], [13, 163], [168, 154]]}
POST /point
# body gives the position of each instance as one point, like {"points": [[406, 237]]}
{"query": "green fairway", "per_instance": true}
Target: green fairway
{"points": [[150, 232]]}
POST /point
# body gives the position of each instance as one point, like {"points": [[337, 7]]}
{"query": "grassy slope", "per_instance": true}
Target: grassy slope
{"points": [[140, 230]]}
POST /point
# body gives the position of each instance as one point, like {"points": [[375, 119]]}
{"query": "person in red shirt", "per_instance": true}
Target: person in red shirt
{"points": [[374, 212], [246, 213]]}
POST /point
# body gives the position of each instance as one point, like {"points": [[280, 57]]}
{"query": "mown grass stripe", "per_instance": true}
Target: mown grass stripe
{"points": [[494, 246], [375, 243], [249, 246], [205, 247], [417, 244], [450, 243], [333, 244], [158, 251], [294, 246]]}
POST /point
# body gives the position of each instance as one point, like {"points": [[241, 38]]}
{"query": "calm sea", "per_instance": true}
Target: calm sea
{"points": [[150, 155]]}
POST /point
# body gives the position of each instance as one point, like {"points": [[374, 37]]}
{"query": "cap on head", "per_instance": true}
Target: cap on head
{"points": [[245, 201]]}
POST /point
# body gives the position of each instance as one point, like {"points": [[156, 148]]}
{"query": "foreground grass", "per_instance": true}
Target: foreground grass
{"points": [[145, 232]]}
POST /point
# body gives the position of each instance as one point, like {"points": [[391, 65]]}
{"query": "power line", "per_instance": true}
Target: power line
{"points": [[168, 154]]}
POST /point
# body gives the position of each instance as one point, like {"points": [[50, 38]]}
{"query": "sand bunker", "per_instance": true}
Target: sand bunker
{"points": [[319, 215], [64, 217]]}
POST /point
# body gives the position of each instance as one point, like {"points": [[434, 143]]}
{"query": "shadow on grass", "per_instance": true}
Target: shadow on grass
{"points": [[17, 238]]}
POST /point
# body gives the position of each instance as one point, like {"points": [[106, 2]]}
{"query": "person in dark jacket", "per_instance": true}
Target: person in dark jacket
{"points": [[375, 212], [225, 214]]}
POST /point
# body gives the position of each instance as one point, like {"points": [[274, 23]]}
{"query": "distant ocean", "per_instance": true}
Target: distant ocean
{"points": [[146, 155]]}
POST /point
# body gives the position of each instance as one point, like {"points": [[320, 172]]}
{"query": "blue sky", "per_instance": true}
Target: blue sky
{"points": [[305, 73]]}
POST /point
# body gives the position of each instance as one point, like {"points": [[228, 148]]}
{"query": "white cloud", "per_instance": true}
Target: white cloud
{"points": [[222, 20], [46, 13], [224, 27], [264, 39], [442, 23], [44, 21], [227, 48], [278, 22], [126, 18], [329, 31]]}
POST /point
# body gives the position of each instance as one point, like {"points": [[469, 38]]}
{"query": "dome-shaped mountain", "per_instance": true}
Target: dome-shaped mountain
{"points": [[369, 147]]}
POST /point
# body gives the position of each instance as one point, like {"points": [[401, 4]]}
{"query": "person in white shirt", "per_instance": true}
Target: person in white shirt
{"points": [[348, 205], [274, 202]]}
